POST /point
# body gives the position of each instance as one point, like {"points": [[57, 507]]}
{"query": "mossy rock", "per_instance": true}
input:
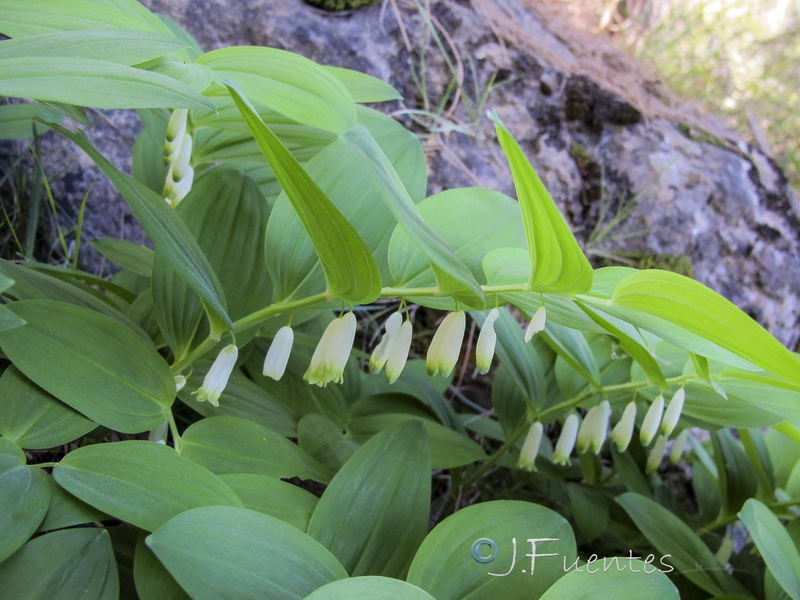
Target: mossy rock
{"points": [[334, 5]]}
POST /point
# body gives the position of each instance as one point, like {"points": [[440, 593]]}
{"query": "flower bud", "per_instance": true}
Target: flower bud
{"points": [[651, 421], [333, 350], [398, 354], [217, 377], [656, 454], [673, 412], [623, 431], [593, 430], [678, 446], [537, 323], [446, 344], [278, 354], [487, 340], [180, 382], [381, 353], [530, 448], [566, 441]]}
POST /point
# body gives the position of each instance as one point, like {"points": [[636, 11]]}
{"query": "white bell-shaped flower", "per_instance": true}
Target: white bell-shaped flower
{"points": [[623, 431], [487, 340], [446, 344], [673, 412], [566, 441], [278, 354], [537, 323], [594, 428], [530, 448], [651, 421], [333, 350], [217, 377]]}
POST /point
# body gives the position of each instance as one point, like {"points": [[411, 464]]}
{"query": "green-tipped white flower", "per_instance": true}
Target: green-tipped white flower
{"points": [[537, 323], [381, 353], [398, 354], [678, 446], [566, 441], [594, 428], [217, 377], [673, 412], [530, 448], [656, 455], [623, 431], [176, 129], [652, 420], [446, 344], [332, 352], [183, 159], [278, 354], [180, 382], [487, 340]]}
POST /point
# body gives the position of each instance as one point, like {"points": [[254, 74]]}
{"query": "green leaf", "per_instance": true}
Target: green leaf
{"points": [[624, 578], [377, 530], [168, 233], [274, 497], [92, 363], [285, 82], [325, 440], [219, 552], [31, 284], [152, 580], [293, 263], [369, 588], [223, 205], [480, 552], [775, 545], [452, 276], [494, 220], [701, 311], [363, 87], [572, 347], [133, 257], [72, 564], [674, 539], [66, 510], [634, 349], [143, 483], [350, 271], [121, 47], [32, 418], [558, 264], [93, 83], [737, 477], [20, 17], [24, 496], [449, 449], [234, 445], [17, 120], [243, 398]]}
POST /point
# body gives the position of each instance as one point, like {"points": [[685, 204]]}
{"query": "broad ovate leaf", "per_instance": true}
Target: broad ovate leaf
{"points": [[92, 363], [377, 530], [499, 549], [223, 552], [143, 483]]}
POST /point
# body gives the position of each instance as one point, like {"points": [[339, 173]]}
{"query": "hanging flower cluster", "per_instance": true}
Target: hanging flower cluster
{"points": [[590, 434], [178, 156], [333, 350]]}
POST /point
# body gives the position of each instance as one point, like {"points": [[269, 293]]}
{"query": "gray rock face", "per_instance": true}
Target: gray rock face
{"points": [[597, 145]]}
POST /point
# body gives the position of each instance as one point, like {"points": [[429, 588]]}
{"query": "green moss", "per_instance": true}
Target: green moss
{"points": [[677, 263], [581, 156], [668, 262], [334, 5]]}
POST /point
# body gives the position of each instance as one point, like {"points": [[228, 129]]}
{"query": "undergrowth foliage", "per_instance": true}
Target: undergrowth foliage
{"points": [[212, 434]]}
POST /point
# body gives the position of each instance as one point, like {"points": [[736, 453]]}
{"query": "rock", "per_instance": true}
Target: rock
{"points": [[603, 135]]}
